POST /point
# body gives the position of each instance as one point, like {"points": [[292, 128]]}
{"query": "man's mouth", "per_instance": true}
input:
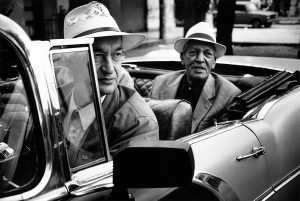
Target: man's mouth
{"points": [[106, 80], [198, 68]]}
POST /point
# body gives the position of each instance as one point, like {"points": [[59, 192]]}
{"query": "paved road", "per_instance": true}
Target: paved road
{"points": [[276, 34]]}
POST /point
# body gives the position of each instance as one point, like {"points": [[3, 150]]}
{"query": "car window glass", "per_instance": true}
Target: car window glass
{"points": [[81, 129], [20, 161], [240, 8]]}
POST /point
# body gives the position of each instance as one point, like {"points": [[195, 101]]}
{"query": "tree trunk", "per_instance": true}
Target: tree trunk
{"points": [[162, 19], [166, 19], [225, 23], [194, 11]]}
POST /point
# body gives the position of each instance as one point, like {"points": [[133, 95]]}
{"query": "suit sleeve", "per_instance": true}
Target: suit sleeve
{"points": [[154, 89], [134, 121]]}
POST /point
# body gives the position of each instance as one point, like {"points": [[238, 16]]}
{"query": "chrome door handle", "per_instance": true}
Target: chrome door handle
{"points": [[256, 152]]}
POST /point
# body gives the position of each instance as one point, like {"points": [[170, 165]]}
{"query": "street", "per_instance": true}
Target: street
{"points": [[276, 34], [279, 37]]}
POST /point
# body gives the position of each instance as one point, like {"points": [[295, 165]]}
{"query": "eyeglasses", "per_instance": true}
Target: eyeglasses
{"points": [[194, 53], [116, 57]]}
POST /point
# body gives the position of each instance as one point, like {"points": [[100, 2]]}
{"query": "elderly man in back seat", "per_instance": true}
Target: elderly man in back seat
{"points": [[209, 93]]}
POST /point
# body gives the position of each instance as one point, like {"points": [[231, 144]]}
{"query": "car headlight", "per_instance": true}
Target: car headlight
{"points": [[268, 17]]}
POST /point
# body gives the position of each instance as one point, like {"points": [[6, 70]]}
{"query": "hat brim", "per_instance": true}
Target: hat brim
{"points": [[129, 40], [220, 49]]}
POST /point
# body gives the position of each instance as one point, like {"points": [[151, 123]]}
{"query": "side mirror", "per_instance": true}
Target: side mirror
{"points": [[154, 164]]}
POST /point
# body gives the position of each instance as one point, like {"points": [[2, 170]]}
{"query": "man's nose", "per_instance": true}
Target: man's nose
{"points": [[200, 56], [108, 66]]}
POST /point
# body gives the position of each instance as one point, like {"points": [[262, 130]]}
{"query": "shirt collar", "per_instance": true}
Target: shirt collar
{"points": [[87, 114], [194, 85]]}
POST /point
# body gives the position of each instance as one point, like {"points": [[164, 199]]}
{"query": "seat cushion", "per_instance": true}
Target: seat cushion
{"points": [[174, 117], [143, 86]]}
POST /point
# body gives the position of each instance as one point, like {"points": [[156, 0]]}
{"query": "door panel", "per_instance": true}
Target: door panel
{"points": [[216, 155]]}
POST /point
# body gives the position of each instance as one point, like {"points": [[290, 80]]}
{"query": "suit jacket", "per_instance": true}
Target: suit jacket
{"points": [[215, 97]]}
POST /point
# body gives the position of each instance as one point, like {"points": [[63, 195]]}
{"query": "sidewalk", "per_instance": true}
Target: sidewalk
{"points": [[289, 20], [240, 35]]}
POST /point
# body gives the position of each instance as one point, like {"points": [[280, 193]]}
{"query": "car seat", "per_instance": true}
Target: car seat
{"points": [[174, 117]]}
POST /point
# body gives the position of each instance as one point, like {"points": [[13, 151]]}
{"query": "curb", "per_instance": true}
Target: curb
{"points": [[264, 44], [288, 22]]}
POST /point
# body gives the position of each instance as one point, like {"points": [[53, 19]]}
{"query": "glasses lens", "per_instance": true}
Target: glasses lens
{"points": [[99, 57], [118, 56]]}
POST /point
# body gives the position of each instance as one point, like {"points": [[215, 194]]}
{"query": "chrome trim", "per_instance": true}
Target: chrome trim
{"points": [[99, 105], [52, 195], [265, 109], [265, 195], [38, 79], [268, 196], [287, 179], [71, 41], [208, 133], [77, 49], [40, 94], [215, 185], [89, 41], [256, 152], [282, 183], [91, 179]]}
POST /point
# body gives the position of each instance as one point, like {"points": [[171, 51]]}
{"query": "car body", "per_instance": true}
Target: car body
{"points": [[254, 156], [246, 12]]}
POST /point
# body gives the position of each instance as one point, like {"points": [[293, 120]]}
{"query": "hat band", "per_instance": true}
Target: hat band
{"points": [[97, 30], [201, 35]]}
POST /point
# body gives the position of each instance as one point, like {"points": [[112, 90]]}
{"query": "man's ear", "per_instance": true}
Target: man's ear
{"points": [[214, 63], [181, 58]]}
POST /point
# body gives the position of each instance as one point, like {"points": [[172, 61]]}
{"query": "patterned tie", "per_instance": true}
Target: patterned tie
{"points": [[76, 131]]}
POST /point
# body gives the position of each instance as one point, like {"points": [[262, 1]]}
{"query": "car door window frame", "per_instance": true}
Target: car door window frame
{"points": [[62, 46]]}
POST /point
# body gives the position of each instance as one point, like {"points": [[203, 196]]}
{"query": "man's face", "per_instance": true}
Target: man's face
{"points": [[199, 59], [108, 56]]}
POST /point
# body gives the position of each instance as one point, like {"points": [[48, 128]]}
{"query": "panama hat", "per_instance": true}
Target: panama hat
{"points": [[201, 31], [94, 20]]}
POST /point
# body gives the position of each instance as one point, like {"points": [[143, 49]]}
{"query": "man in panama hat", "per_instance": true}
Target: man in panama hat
{"points": [[208, 93], [127, 116]]}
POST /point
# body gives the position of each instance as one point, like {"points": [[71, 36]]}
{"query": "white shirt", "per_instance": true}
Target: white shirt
{"points": [[86, 115]]}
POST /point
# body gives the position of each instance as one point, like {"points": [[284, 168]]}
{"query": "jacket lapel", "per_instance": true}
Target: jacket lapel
{"points": [[172, 87], [204, 104]]}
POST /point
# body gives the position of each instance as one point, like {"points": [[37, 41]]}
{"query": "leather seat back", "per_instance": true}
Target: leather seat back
{"points": [[15, 121], [174, 117]]}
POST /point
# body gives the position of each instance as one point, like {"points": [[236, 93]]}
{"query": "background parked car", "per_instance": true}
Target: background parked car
{"points": [[246, 12]]}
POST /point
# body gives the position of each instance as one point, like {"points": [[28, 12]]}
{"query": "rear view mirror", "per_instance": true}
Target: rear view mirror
{"points": [[154, 164]]}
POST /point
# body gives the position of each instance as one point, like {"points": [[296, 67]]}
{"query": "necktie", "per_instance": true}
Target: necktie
{"points": [[76, 131]]}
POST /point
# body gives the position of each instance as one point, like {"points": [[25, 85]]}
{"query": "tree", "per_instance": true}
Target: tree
{"points": [[225, 23]]}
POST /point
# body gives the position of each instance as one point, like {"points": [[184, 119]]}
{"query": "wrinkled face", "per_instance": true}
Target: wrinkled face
{"points": [[199, 59], [108, 56]]}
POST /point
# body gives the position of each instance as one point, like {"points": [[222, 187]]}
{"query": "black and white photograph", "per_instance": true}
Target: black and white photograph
{"points": [[150, 100]]}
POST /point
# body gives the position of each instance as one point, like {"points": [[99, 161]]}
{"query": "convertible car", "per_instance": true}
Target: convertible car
{"points": [[253, 156]]}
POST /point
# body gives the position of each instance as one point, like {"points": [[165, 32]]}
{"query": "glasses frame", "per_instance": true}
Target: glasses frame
{"points": [[102, 57]]}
